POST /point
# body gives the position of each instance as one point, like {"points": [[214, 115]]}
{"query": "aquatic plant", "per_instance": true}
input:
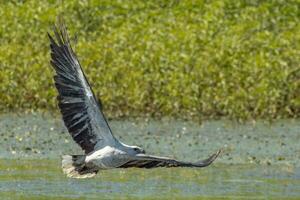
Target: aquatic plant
{"points": [[234, 58]]}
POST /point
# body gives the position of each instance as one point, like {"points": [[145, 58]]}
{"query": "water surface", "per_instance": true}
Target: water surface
{"points": [[33, 179], [260, 160]]}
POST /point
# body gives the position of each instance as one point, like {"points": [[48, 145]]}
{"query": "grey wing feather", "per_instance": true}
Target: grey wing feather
{"points": [[148, 161], [81, 111]]}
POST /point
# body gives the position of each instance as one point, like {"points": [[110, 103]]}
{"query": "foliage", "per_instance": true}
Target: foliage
{"points": [[234, 58]]}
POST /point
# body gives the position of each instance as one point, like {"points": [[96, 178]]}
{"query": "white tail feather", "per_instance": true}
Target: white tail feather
{"points": [[72, 166]]}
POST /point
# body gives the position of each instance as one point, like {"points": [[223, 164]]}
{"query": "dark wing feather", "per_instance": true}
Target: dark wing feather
{"points": [[147, 161], [81, 111]]}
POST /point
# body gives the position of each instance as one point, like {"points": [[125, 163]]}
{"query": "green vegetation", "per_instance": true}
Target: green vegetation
{"points": [[233, 58]]}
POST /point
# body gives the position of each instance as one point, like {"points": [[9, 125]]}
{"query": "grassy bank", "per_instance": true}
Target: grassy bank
{"points": [[238, 59]]}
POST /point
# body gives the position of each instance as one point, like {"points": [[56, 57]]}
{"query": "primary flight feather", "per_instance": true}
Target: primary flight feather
{"points": [[86, 123]]}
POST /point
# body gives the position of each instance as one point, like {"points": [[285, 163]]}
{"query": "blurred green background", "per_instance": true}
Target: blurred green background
{"points": [[188, 59]]}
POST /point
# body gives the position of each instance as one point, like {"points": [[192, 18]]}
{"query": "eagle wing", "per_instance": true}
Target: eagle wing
{"points": [[149, 161], [81, 111]]}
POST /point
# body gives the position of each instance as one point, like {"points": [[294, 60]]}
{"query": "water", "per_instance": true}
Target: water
{"points": [[261, 161], [36, 179]]}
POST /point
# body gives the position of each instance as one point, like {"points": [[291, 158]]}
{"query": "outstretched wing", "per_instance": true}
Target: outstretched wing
{"points": [[148, 161], [81, 111]]}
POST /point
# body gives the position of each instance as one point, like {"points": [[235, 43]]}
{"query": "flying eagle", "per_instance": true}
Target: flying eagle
{"points": [[82, 115]]}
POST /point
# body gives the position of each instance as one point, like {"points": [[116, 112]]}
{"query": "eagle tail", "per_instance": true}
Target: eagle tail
{"points": [[74, 166]]}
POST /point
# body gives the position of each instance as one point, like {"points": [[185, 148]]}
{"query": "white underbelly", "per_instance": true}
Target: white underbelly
{"points": [[109, 162], [107, 158]]}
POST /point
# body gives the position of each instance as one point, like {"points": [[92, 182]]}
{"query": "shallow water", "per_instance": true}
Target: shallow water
{"points": [[36, 179], [260, 161]]}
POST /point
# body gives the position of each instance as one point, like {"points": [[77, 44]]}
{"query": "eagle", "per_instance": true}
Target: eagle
{"points": [[84, 119]]}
